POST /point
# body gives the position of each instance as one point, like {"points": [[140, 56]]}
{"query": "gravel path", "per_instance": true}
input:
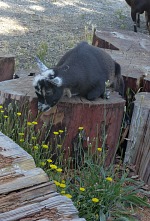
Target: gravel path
{"points": [[25, 25]]}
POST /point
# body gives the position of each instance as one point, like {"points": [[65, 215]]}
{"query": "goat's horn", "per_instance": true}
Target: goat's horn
{"points": [[40, 64]]}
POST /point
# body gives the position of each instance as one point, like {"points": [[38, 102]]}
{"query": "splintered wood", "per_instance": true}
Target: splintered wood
{"points": [[26, 194]]}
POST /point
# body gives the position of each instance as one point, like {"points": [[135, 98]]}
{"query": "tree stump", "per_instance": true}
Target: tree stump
{"points": [[138, 146], [131, 50], [101, 119], [7, 66]]}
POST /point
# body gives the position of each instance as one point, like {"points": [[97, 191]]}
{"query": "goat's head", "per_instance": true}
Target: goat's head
{"points": [[48, 87]]}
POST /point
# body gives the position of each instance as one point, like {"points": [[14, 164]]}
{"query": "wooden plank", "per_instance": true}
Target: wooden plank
{"points": [[138, 146], [23, 179], [13, 157], [58, 207]]}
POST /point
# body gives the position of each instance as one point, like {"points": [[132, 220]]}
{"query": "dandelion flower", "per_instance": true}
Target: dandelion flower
{"points": [[63, 181], [56, 183], [99, 149], [59, 170], [81, 128], [53, 166], [55, 133], [61, 131], [45, 146], [63, 192], [49, 161], [59, 145], [42, 163], [62, 185], [18, 114], [5, 116], [35, 147], [33, 138], [2, 111], [34, 122], [21, 140], [1, 106], [21, 134], [95, 200], [109, 179], [68, 196], [29, 123], [82, 189]]}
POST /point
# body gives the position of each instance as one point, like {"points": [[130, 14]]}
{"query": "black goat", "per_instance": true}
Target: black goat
{"points": [[139, 7], [83, 70]]}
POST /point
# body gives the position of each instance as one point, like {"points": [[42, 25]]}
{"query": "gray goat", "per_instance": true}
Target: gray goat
{"points": [[139, 7], [83, 70]]}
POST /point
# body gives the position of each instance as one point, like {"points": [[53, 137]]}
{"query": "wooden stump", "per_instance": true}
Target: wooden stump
{"points": [[100, 119], [7, 66], [132, 51], [138, 146]]}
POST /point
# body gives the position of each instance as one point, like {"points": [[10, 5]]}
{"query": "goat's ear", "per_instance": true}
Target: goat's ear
{"points": [[57, 81]]}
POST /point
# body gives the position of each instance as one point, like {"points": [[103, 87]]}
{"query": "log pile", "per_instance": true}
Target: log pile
{"points": [[26, 192]]}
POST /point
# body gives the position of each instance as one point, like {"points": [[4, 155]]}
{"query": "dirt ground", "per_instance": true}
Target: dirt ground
{"points": [[26, 25]]}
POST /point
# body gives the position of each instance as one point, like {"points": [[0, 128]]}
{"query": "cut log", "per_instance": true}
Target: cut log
{"points": [[138, 146], [131, 51], [97, 117], [7, 67]]}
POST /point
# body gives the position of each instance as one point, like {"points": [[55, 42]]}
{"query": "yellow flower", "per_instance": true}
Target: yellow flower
{"points": [[34, 122], [95, 200], [45, 146], [55, 133], [59, 170], [5, 116], [49, 161], [62, 185], [109, 179], [19, 114], [63, 192], [29, 123], [21, 140], [2, 111], [53, 166], [42, 163], [1, 106], [35, 147], [21, 134], [68, 196], [82, 189], [56, 183], [63, 181], [99, 149], [33, 138], [61, 131], [59, 145], [81, 128]]}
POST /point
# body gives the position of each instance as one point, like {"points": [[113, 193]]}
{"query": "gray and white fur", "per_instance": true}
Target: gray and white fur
{"points": [[83, 71]]}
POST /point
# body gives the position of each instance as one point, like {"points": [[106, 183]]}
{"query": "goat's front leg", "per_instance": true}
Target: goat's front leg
{"points": [[133, 16]]}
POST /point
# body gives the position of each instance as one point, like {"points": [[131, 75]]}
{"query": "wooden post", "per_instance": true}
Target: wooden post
{"points": [[138, 146], [7, 67]]}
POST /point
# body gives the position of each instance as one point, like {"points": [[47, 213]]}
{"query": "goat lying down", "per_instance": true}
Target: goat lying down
{"points": [[83, 71]]}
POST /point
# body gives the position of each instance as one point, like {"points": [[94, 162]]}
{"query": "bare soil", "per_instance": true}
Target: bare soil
{"points": [[25, 25]]}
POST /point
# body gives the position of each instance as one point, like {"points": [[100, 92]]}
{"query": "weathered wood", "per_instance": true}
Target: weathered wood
{"points": [[138, 146], [25, 191], [7, 66], [72, 113], [131, 51]]}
